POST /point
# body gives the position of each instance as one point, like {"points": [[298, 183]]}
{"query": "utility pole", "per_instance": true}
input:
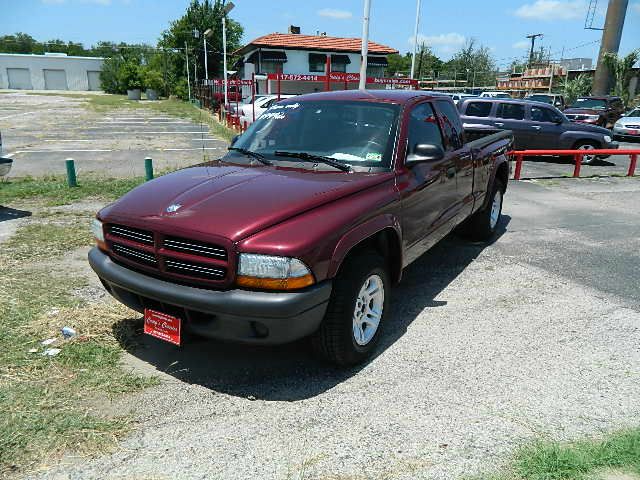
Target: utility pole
{"points": [[415, 40], [533, 44], [611, 35], [186, 54], [365, 45]]}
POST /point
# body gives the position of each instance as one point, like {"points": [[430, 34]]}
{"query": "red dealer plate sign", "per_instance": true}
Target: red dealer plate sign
{"points": [[162, 326]]}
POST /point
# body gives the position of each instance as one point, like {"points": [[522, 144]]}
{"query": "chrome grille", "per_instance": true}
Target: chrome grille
{"points": [[194, 269], [135, 234], [135, 254], [631, 126], [194, 247]]}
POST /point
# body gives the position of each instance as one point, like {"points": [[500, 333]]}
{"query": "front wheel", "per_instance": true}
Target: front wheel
{"points": [[587, 159], [357, 308]]}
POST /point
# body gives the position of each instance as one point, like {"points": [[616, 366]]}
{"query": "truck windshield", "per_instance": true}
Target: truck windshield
{"points": [[541, 98], [356, 133], [595, 103]]}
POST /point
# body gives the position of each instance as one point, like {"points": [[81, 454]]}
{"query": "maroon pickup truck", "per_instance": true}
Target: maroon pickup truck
{"points": [[304, 226]]}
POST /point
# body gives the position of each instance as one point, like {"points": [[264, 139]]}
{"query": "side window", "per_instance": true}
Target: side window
{"points": [[510, 111], [479, 109], [451, 125], [541, 114], [423, 127]]}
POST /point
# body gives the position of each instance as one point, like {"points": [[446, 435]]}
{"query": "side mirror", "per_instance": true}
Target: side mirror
{"points": [[424, 152], [234, 139]]}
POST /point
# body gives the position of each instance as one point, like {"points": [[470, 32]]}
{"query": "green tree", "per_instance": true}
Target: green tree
{"points": [[621, 71], [576, 87], [200, 16], [399, 63], [427, 64], [19, 43], [472, 60]]}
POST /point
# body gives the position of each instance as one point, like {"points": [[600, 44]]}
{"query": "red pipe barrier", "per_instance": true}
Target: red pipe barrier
{"points": [[632, 165], [577, 158]]}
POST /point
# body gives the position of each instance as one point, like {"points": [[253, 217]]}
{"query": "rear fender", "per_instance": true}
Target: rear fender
{"points": [[366, 231]]}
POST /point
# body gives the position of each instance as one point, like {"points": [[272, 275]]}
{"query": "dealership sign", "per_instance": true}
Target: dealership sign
{"points": [[342, 78]]}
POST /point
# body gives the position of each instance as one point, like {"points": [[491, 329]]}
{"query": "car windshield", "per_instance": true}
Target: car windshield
{"points": [[541, 98], [595, 103], [357, 133], [633, 113]]}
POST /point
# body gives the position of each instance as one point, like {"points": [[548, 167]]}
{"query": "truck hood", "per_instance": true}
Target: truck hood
{"points": [[583, 111], [232, 201]]}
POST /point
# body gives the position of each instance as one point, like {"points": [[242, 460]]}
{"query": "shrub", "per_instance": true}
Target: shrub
{"points": [[153, 79], [129, 76]]}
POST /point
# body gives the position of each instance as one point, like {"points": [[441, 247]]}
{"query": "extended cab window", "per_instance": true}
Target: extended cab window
{"points": [[510, 111], [479, 109], [423, 127], [541, 114], [451, 125]]}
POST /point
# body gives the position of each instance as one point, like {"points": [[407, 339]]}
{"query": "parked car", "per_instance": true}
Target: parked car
{"points": [[456, 97], [628, 126], [5, 163], [551, 98], [536, 126], [495, 95], [236, 107], [304, 225], [601, 111], [261, 106]]}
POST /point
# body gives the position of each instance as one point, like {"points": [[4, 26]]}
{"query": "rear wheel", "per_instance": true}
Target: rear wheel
{"points": [[483, 224], [357, 308]]}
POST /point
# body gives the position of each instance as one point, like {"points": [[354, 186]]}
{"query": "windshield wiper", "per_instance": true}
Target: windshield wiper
{"points": [[252, 154], [314, 158]]}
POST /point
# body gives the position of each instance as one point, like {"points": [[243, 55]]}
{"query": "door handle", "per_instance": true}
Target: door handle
{"points": [[536, 127], [499, 124], [465, 156], [451, 172]]}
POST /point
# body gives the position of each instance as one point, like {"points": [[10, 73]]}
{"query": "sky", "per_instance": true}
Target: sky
{"points": [[501, 25]]}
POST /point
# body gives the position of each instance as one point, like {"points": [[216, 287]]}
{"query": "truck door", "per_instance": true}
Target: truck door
{"points": [[452, 130], [428, 189]]}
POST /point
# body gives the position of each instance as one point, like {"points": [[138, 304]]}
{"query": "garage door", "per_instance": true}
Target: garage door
{"points": [[94, 80], [19, 78], [55, 79]]}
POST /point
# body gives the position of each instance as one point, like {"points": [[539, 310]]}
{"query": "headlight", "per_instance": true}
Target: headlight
{"points": [[593, 117], [98, 233], [272, 273], [607, 138], [618, 125]]}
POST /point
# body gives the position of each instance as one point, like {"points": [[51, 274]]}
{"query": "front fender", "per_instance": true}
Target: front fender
{"points": [[570, 138], [361, 233]]}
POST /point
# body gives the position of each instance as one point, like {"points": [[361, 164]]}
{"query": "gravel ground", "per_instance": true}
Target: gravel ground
{"points": [[487, 347]]}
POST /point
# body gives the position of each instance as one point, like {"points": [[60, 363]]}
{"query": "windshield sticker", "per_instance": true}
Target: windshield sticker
{"points": [[287, 107], [274, 115], [374, 156]]}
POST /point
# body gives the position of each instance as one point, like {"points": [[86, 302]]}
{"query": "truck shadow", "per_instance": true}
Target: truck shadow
{"points": [[7, 213], [290, 372]]}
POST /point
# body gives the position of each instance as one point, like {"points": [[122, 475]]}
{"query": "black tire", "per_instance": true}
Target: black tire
{"points": [[479, 226], [582, 143], [334, 341]]}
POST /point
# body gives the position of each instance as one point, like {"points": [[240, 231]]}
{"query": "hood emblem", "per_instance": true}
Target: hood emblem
{"points": [[173, 207]]}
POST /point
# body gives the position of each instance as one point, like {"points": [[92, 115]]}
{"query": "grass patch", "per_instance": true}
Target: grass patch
{"points": [[53, 190], [576, 461], [51, 404]]}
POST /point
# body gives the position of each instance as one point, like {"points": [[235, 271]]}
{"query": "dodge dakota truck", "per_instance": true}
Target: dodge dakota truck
{"points": [[303, 227]]}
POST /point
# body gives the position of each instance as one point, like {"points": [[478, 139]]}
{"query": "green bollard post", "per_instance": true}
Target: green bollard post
{"points": [[71, 172], [148, 168]]}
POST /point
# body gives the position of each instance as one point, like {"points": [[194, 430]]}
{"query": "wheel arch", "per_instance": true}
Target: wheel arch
{"points": [[382, 234]]}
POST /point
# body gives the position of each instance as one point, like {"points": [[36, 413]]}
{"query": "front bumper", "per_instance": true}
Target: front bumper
{"points": [[626, 132], [243, 316]]}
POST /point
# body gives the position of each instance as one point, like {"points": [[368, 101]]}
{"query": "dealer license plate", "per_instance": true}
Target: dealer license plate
{"points": [[634, 132], [162, 326]]}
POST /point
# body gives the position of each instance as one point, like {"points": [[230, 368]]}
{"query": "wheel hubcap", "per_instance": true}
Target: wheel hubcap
{"points": [[495, 209], [368, 310], [588, 158]]}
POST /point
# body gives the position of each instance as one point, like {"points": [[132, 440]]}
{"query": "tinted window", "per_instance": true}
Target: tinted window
{"points": [[541, 98], [423, 127], [512, 111], [595, 103], [541, 114], [451, 125], [479, 109]]}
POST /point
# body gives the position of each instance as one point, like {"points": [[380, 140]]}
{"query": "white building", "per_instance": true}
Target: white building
{"points": [[296, 54], [49, 72]]}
